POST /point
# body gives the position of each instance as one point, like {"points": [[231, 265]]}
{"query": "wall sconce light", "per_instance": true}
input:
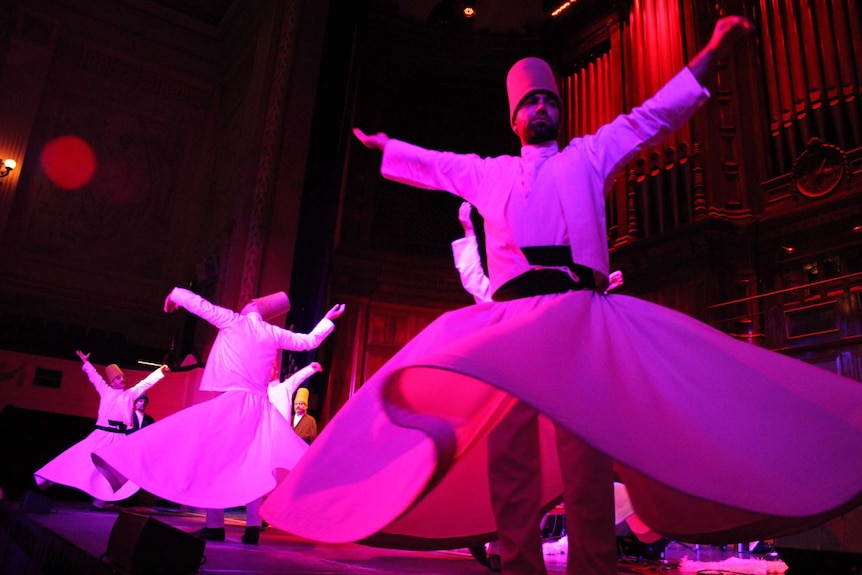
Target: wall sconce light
{"points": [[8, 166]]}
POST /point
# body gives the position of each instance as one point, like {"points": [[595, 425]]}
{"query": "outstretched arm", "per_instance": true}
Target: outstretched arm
{"points": [[149, 381], [304, 341], [459, 174], [618, 141], [727, 32], [281, 392], [192, 302], [92, 373], [292, 383]]}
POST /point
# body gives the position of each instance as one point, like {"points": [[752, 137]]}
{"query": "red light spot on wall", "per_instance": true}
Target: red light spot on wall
{"points": [[69, 162]]}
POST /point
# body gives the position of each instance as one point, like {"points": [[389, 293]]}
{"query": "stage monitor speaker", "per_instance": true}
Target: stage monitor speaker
{"points": [[834, 548], [33, 502], [140, 545]]}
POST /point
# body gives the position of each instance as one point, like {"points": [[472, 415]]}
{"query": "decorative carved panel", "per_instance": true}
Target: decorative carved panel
{"points": [[812, 320]]}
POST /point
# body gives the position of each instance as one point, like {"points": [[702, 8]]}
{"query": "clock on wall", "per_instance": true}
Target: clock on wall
{"points": [[819, 168]]}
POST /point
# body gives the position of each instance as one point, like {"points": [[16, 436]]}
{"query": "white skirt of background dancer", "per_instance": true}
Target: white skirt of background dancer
{"points": [[716, 440], [222, 453], [74, 468]]}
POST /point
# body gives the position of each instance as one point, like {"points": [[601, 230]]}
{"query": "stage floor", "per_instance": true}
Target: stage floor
{"points": [[80, 526]]}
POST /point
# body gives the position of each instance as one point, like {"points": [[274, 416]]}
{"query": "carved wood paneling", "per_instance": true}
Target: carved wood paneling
{"points": [[814, 320]]}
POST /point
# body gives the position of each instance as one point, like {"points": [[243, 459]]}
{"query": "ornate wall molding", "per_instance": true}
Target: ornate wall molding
{"points": [[269, 154], [128, 73]]}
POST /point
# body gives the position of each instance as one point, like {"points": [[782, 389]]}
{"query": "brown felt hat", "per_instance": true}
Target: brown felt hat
{"points": [[525, 77], [272, 305], [113, 371]]}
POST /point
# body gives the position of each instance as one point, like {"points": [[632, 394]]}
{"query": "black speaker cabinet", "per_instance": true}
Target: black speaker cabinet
{"points": [[834, 548], [143, 546]]}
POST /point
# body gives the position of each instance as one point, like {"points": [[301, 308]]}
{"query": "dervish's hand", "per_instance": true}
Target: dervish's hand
{"points": [[165, 369], [316, 366], [170, 304], [336, 311], [727, 32], [464, 218], [615, 279], [376, 141], [85, 357]]}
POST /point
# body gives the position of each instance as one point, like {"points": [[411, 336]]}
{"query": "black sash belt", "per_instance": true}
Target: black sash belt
{"points": [[119, 427], [547, 281]]}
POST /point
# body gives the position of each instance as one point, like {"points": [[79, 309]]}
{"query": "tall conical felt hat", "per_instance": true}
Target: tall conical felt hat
{"points": [[527, 76], [113, 371], [272, 305], [301, 395]]}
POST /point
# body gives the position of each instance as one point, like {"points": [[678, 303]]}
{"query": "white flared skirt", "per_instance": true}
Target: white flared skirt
{"points": [[224, 452], [715, 439]]}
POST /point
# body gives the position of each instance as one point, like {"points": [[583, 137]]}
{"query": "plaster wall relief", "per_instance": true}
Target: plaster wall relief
{"points": [[114, 218], [26, 52], [95, 233], [272, 134]]}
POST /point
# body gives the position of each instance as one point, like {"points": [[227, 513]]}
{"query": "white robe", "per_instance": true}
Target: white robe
{"points": [[74, 467], [715, 439], [233, 448]]}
